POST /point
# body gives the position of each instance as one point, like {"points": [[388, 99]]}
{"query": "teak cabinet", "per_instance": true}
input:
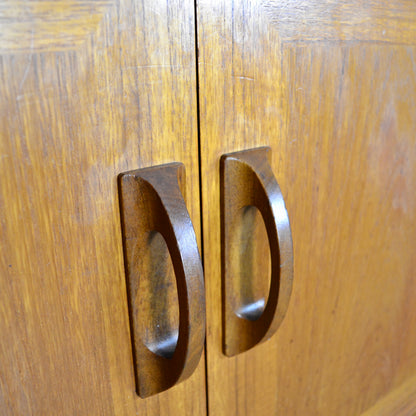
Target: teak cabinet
{"points": [[90, 89]]}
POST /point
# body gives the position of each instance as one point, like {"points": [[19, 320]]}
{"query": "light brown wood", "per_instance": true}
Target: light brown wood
{"points": [[156, 224], [248, 182], [307, 21], [57, 25], [399, 402], [71, 121], [339, 117]]}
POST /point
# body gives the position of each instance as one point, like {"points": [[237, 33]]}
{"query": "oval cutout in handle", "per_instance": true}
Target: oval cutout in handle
{"points": [[250, 260], [248, 180], [151, 203]]}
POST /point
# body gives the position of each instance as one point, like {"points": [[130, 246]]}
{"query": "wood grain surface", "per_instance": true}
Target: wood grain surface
{"points": [[380, 21], [44, 25], [71, 121], [399, 402], [339, 117]]}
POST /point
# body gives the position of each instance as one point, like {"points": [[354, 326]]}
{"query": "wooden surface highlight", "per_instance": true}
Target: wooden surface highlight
{"points": [[40, 26], [399, 402], [306, 21]]}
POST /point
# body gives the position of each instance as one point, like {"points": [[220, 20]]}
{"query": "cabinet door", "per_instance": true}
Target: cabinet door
{"points": [[89, 89], [331, 88]]}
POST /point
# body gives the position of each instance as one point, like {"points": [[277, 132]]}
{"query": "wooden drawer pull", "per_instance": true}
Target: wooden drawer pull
{"points": [[152, 205], [247, 181]]}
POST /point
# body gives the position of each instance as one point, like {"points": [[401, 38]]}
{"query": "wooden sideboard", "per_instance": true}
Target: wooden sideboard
{"points": [[90, 89]]}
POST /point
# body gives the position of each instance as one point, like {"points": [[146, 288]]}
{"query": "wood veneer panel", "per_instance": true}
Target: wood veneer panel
{"points": [[399, 402], [338, 113], [123, 97]]}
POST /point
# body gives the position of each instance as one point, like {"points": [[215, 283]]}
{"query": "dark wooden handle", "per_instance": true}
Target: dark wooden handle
{"points": [[247, 180], [151, 204]]}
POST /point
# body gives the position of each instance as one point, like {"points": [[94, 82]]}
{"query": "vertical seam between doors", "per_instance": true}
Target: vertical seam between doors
{"points": [[198, 115]]}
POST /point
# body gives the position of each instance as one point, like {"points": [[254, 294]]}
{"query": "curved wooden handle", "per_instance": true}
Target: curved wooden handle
{"points": [[151, 202], [247, 180]]}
